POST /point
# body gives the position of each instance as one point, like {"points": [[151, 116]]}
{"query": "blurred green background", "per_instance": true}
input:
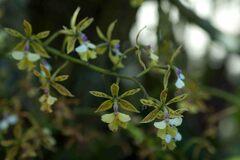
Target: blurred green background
{"points": [[209, 31]]}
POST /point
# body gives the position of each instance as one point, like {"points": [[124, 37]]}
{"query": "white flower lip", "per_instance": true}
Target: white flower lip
{"points": [[179, 83], [160, 125], [178, 137], [168, 138], [175, 121], [82, 48]]}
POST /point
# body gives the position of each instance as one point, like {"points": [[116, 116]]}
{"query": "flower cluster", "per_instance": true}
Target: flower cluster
{"points": [[167, 130], [30, 50], [22, 51], [47, 80], [168, 119], [116, 101], [112, 45], [87, 49], [25, 144]]}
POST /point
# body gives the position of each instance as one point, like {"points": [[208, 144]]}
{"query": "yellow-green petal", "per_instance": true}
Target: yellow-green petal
{"points": [[106, 105], [161, 133], [171, 145], [108, 118], [127, 106], [151, 116], [100, 94], [113, 126], [130, 92], [124, 117], [114, 89], [51, 100]]}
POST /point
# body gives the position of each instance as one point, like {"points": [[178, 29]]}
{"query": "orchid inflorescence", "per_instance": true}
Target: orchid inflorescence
{"points": [[31, 52]]}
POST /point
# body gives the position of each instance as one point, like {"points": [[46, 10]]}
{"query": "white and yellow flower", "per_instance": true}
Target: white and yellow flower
{"points": [[26, 59], [116, 120], [87, 49], [46, 102]]}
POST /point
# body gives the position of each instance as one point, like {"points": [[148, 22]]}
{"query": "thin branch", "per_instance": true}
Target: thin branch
{"points": [[59, 69], [95, 68], [52, 37]]}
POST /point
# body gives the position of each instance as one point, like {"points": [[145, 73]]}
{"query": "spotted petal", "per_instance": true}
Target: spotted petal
{"points": [[100, 94], [106, 105], [114, 89], [127, 106]]}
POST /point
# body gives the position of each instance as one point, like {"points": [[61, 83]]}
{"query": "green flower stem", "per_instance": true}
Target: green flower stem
{"points": [[149, 69], [59, 69], [95, 68], [52, 37]]}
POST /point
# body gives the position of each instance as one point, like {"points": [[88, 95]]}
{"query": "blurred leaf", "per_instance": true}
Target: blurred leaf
{"points": [[136, 133]]}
